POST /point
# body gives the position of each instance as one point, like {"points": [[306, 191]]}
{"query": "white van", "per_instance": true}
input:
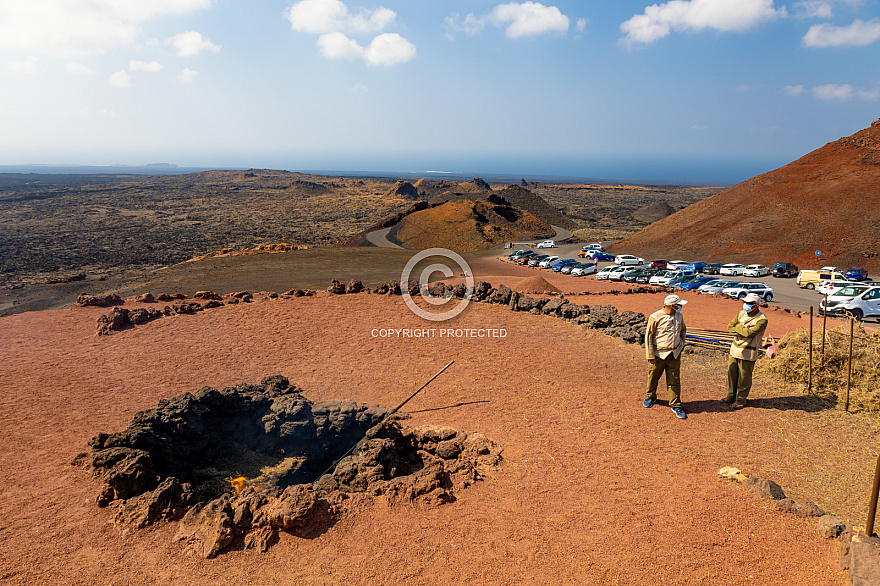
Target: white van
{"points": [[858, 301]]}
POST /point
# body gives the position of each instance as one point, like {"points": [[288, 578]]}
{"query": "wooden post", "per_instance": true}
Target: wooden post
{"points": [[849, 374], [872, 505], [810, 379], [824, 319]]}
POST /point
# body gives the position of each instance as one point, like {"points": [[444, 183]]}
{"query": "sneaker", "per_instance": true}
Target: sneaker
{"points": [[649, 403], [679, 412]]}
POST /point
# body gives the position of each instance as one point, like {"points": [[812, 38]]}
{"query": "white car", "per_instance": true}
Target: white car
{"points": [[713, 287], [756, 271], [831, 287], [664, 280], [832, 269], [678, 264], [584, 270], [605, 272], [593, 246], [628, 259], [546, 244], [865, 302], [663, 276], [616, 274], [742, 289], [546, 263], [733, 269]]}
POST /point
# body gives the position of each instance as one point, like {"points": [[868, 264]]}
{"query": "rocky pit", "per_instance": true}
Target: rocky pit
{"points": [[240, 465]]}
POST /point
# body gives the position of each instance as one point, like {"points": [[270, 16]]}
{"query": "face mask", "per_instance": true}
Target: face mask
{"points": [[678, 308], [748, 306]]}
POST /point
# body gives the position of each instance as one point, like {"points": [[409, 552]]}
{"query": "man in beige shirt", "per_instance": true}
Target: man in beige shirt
{"points": [[664, 341]]}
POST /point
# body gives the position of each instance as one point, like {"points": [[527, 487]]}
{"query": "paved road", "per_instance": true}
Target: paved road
{"points": [[786, 293], [380, 237]]}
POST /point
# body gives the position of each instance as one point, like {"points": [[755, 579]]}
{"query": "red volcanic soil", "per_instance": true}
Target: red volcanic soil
{"points": [[594, 489], [827, 200]]}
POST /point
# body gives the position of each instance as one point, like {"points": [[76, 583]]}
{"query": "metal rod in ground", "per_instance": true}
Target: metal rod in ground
{"points": [[849, 373], [810, 375], [872, 507], [382, 421], [824, 319]]}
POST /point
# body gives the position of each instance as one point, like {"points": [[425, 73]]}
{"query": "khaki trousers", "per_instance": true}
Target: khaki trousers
{"points": [[739, 378], [672, 367]]}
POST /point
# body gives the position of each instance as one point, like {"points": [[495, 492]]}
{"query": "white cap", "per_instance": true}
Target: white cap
{"points": [[752, 298], [674, 300]]}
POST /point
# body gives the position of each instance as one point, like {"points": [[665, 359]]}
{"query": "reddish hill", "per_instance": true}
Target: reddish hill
{"points": [[828, 200]]}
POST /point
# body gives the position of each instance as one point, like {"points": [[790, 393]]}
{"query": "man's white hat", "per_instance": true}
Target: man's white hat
{"points": [[752, 298], [674, 300]]}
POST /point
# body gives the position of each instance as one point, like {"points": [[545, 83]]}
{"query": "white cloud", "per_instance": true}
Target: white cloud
{"points": [[120, 79], [813, 9], [152, 67], [528, 19], [793, 90], [334, 23], [187, 75], [386, 49], [869, 95], [329, 16], [833, 91], [25, 66], [858, 34], [581, 25], [659, 21], [359, 88], [192, 43], [521, 20], [65, 28], [78, 69]]}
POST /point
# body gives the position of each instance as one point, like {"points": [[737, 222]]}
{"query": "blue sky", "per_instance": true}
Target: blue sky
{"points": [[685, 89]]}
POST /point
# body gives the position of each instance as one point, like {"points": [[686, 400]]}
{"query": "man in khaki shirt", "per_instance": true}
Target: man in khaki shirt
{"points": [[748, 327], [664, 341]]}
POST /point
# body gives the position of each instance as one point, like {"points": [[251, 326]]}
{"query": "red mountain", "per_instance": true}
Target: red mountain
{"points": [[828, 200]]}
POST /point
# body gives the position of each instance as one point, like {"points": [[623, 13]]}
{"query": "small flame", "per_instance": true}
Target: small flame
{"points": [[239, 484]]}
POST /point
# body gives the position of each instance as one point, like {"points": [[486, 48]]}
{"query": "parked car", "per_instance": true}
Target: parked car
{"points": [[864, 305], [732, 269], [678, 264], [546, 244], [856, 274], [808, 279], [584, 269], [784, 269], [598, 256], [660, 276], [603, 274], [694, 283], [756, 271], [831, 287], [697, 266], [628, 259], [716, 286], [517, 253], [658, 264], [535, 260], [668, 276], [557, 266], [713, 268], [645, 277], [594, 246], [630, 275], [616, 274], [547, 262], [585, 253], [832, 269], [740, 291], [845, 293], [680, 276], [524, 254], [570, 268]]}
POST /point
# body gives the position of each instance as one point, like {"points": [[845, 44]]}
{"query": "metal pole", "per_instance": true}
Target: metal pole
{"points": [[872, 508], [810, 376], [824, 319], [849, 374]]}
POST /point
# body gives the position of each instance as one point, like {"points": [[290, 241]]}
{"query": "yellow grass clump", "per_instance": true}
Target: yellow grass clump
{"points": [[830, 371]]}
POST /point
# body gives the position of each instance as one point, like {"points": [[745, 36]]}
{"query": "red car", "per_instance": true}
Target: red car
{"points": [[658, 264]]}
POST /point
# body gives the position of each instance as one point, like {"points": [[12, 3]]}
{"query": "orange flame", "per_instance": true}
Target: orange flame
{"points": [[239, 484]]}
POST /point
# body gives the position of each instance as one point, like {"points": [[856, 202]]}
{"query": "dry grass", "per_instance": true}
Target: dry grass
{"points": [[831, 371]]}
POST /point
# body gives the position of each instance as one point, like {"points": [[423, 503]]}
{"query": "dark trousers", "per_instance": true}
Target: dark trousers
{"points": [[672, 367], [739, 378]]}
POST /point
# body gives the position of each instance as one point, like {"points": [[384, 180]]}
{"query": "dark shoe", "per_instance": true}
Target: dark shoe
{"points": [[728, 400], [649, 403], [740, 404], [679, 412]]}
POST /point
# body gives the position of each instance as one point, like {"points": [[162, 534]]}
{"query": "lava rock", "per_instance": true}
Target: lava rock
{"points": [[763, 488]]}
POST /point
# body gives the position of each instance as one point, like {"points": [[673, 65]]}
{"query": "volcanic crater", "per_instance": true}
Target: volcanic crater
{"points": [[241, 464]]}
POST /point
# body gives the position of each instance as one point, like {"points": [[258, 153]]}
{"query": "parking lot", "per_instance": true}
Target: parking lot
{"points": [[786, 293]]}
